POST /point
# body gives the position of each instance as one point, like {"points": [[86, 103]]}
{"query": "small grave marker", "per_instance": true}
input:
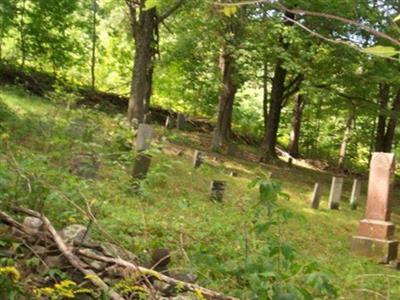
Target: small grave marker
{"points": [[180, 121], [169, 122], [316, 196], [144, 137], [336, 192], [198, 159], [217, 189], [141, 166], [355, 194]]}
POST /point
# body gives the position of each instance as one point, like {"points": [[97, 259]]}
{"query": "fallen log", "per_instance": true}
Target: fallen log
{"points": [[185, 286]]}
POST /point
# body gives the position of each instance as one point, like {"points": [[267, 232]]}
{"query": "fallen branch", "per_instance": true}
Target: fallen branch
{"points": [[189, 287], [6, 219], [73, 260]]}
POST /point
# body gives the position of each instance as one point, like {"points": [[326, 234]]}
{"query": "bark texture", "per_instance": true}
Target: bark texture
{"points": [[296, 126]]}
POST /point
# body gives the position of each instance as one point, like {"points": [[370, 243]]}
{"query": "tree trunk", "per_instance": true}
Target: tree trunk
{"points": [[276, 101], [296, 126], [94, 40], [384, 93], [22, 34], [144, 36], [149, 90], [265, 94], [346, 138], [222, 131], [274, 115], [391, 126]]}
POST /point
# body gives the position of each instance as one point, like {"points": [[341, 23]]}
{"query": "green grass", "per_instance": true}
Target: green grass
{"points": [[173, 210]]}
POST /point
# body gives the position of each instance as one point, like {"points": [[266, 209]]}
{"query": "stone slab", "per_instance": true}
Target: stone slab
{"points": [[144, 137], [376, 229], [316, 196], [383, 251], [355, 194], [141, 166], [336, 192]]}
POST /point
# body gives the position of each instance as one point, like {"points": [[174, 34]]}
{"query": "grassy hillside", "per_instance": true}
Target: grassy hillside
{"points": [[39, 143]]}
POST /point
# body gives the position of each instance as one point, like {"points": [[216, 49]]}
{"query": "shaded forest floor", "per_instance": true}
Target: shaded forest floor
{"points": [[173, 210]]}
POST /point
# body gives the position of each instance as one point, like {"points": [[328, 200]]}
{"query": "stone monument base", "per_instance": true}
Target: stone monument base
{"points": [[383, 250]]}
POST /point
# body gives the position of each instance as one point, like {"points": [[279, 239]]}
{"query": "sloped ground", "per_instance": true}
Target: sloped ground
{"points": [[173, 210]]}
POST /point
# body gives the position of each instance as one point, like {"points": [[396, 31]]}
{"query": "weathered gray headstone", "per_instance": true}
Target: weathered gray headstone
{"points": [[198, 159], [180, 121], [336, 192], [217, 189], [355, 194], [169, 123], [144, 137], [316, 196], [141, 166]]}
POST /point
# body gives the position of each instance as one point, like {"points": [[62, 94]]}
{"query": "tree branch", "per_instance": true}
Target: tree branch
{"points": [[170, 11], [281, 7]]}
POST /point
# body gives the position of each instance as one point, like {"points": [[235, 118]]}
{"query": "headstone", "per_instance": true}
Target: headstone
{"points": [[169, 123], [144, 137], [336, 192], [141, 166], [375, 237], [85, 165], [198, 159], [316, 196], [180, 121], [217, 190], [355, 194]]}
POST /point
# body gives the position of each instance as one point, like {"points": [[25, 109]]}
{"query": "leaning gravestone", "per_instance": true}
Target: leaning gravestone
{"points": [[217, 189], [144, 137], [375, 237], [180, 121], [169, 122], [336, 192], [355, 194], [198, 159], [316, 196], [141, 166]]}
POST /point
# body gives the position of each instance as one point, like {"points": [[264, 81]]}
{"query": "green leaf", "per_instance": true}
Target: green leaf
{"points": [[397, 18], [383, 51], [229, 11], [150, 4]]}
